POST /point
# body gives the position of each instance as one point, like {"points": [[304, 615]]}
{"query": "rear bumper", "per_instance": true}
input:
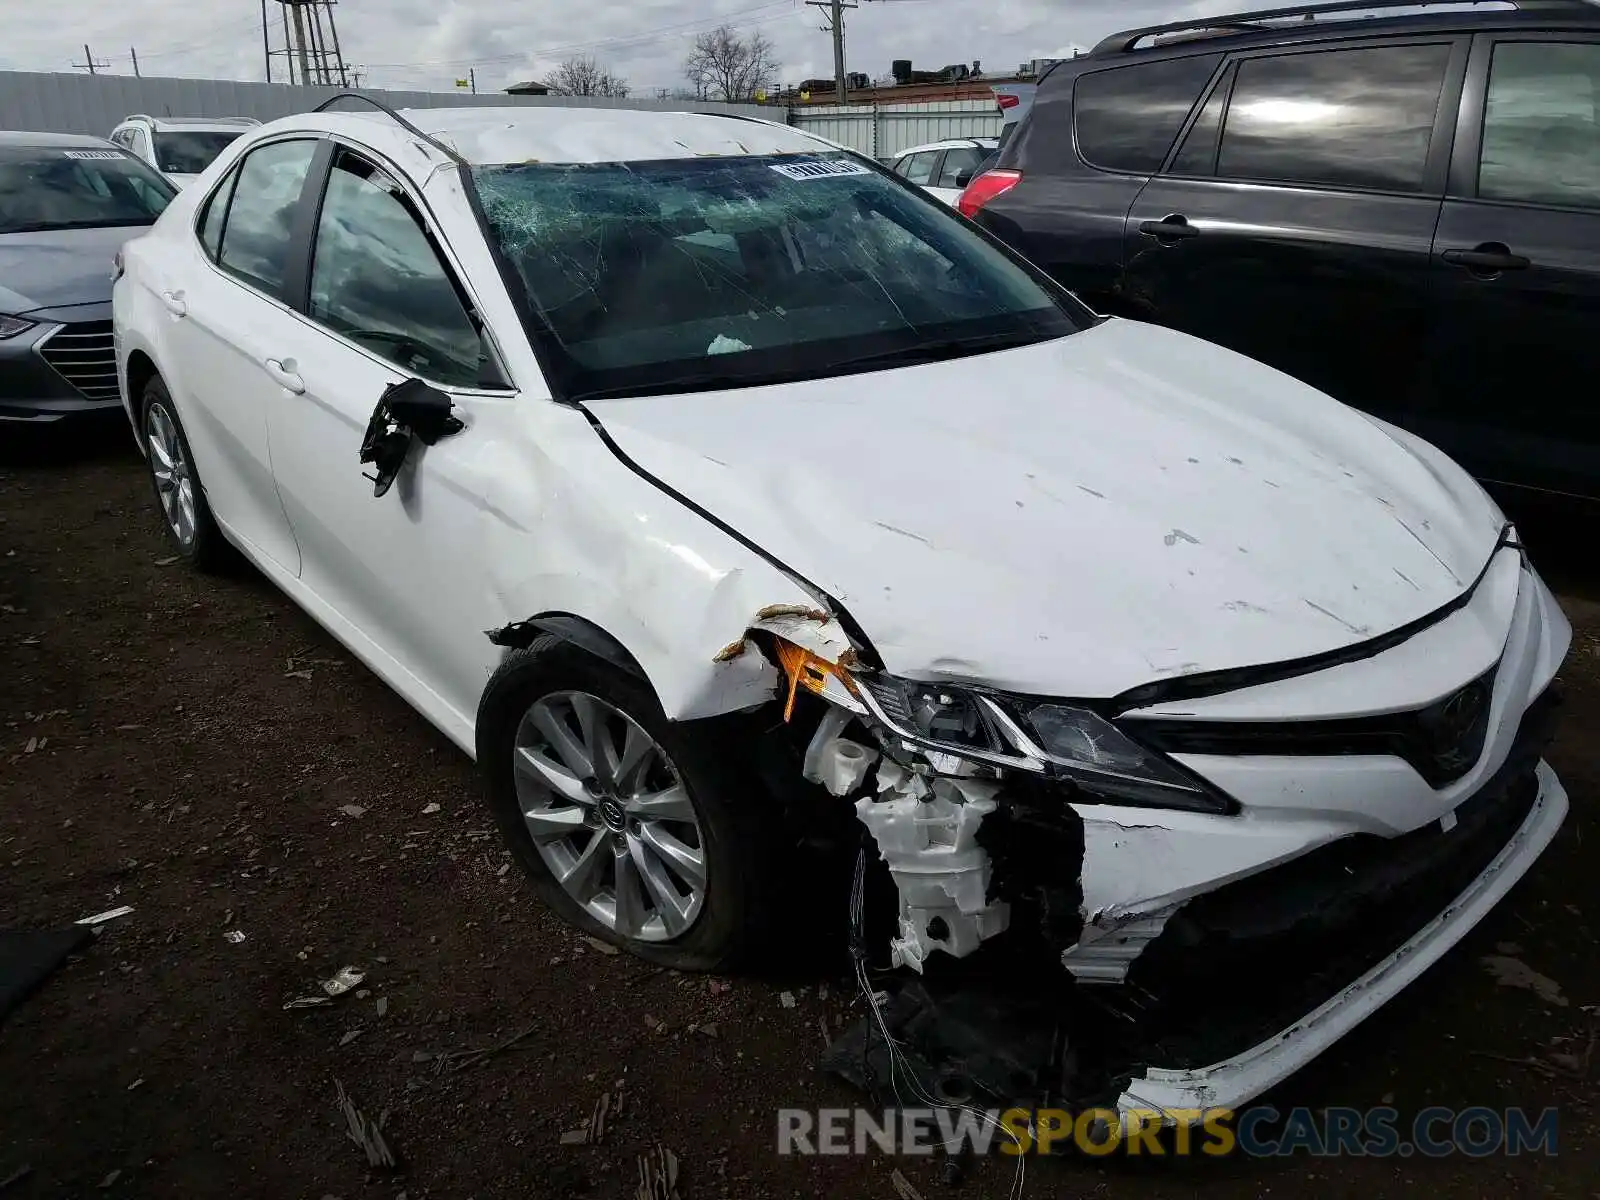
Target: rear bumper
{"points": [[1235, 1080]]}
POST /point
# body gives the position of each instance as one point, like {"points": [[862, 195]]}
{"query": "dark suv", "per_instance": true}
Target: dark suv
{"points": [[1402, 209]]}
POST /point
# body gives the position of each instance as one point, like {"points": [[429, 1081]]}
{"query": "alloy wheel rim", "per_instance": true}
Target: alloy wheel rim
{"points": [[174, 480], [610, 816]]}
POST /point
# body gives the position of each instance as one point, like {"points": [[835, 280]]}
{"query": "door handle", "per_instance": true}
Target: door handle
{"points": [[1171, 228], [1488, 259], [176, 305], [282, 371]]}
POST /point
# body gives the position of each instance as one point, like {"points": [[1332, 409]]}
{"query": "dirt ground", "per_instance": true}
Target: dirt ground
{"points": [[184, 745]]}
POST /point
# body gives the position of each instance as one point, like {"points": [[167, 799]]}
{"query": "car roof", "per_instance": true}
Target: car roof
{"points": [[219, 124], [559, 134], [982, 143], [54, 141], [1329, 21]]}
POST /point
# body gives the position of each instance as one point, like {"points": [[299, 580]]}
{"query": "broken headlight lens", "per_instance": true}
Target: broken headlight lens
{"points": [[1079, 744], [935, 711], [1097, 755]]}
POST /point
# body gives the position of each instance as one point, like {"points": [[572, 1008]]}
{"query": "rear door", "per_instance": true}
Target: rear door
{"points": [[1294, 221], [1517, 268], [227, 306], [1088, 146]]}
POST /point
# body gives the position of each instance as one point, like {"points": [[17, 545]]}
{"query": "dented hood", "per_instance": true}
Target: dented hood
{"points": [[1081, 516]]}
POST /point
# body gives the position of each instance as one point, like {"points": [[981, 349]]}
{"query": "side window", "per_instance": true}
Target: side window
{"points": [[1541, 125], [376, 279], [255, 240], [962, 158], [901, 164], [1198, 155], [1127, 117], [216, 212], [920, 168], [1345, 118]]}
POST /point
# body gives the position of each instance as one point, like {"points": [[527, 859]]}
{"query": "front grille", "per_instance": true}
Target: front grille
{"points": [[1442, 741], [85, 355]]}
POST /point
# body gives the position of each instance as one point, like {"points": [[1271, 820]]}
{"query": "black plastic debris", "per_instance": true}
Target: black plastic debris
{"points": [[28, 958]]}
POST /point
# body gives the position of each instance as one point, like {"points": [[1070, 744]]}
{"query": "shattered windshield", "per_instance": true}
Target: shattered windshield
{"points": [[692, 274]]}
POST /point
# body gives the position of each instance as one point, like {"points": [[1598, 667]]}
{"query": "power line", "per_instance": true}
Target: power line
{"points": [[692, 26], [219, 34]]}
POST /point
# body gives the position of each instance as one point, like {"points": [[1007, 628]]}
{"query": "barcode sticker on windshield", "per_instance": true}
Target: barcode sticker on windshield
{"points": [[820, 168], [93, 153]]}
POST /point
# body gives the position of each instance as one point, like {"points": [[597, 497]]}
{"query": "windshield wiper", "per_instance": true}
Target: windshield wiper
{"points": [[53, 226], [703, 381], [936, 351]]}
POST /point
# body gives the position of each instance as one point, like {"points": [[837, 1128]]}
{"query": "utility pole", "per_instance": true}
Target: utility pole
{"points": [[266, 42], [300, 43], [89, 63], [133, 53], [833, 11], [472, 75], [338, 55], [311, 43]]}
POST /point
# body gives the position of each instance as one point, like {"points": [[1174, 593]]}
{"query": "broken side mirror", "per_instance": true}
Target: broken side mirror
{"points": [[408, 409]]}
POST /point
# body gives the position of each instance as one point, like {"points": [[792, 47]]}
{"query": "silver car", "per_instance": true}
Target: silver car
{"points": [[67, 204]]}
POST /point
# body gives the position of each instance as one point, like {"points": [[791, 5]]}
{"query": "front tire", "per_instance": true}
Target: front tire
{"points": [[182, 499], [632, 827]]}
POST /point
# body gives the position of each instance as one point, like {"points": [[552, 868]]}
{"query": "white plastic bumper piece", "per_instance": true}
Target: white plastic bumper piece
{"points": [[1234, 1081]]}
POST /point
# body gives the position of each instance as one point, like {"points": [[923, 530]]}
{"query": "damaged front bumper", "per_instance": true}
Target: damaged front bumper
{"points": [[1299, 852], [1232, 1081]]}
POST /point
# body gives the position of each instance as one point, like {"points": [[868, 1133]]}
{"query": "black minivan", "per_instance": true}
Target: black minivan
{"points": [[1401, 208]]}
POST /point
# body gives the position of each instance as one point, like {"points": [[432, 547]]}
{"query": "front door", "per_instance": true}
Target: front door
{"points": [[1295, 220], [402, 571], [1517, 268]]}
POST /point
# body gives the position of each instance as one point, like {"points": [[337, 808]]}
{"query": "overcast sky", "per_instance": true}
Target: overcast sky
{"points": [[427, 43]]}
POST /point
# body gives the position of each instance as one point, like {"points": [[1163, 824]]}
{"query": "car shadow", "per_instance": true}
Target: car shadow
{"points": [[101, 438]]}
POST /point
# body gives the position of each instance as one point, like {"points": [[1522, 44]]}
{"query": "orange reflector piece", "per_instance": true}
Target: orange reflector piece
{"points": [[807, 670]]}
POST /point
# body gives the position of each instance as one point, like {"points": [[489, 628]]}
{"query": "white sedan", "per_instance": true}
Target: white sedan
{"points": [[728, 501], [943, 169]]}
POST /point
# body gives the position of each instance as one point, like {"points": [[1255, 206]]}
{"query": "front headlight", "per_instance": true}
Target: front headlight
{"points": [[11, 326], [1069, 742], [1094, 753]]}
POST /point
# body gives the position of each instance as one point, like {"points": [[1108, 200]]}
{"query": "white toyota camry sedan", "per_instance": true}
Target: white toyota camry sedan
{"points": [[729, 500]]}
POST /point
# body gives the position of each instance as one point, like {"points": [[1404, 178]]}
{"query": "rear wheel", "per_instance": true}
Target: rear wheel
{"points": [[179, 493], [632, 827]]}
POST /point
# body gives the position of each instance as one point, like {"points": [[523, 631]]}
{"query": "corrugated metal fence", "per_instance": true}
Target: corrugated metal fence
{"points": [[883, 130], [95, 104]]}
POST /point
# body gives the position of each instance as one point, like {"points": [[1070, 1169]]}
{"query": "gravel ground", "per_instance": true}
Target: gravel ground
{"points": [[187, 746]]}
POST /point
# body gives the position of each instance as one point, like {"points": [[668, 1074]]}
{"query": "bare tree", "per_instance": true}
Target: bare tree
{"points": [[725, 66], [585, 77]]}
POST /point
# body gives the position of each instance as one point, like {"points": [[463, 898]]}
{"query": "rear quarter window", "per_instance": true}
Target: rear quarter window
{"points": [[1127, 118]]}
